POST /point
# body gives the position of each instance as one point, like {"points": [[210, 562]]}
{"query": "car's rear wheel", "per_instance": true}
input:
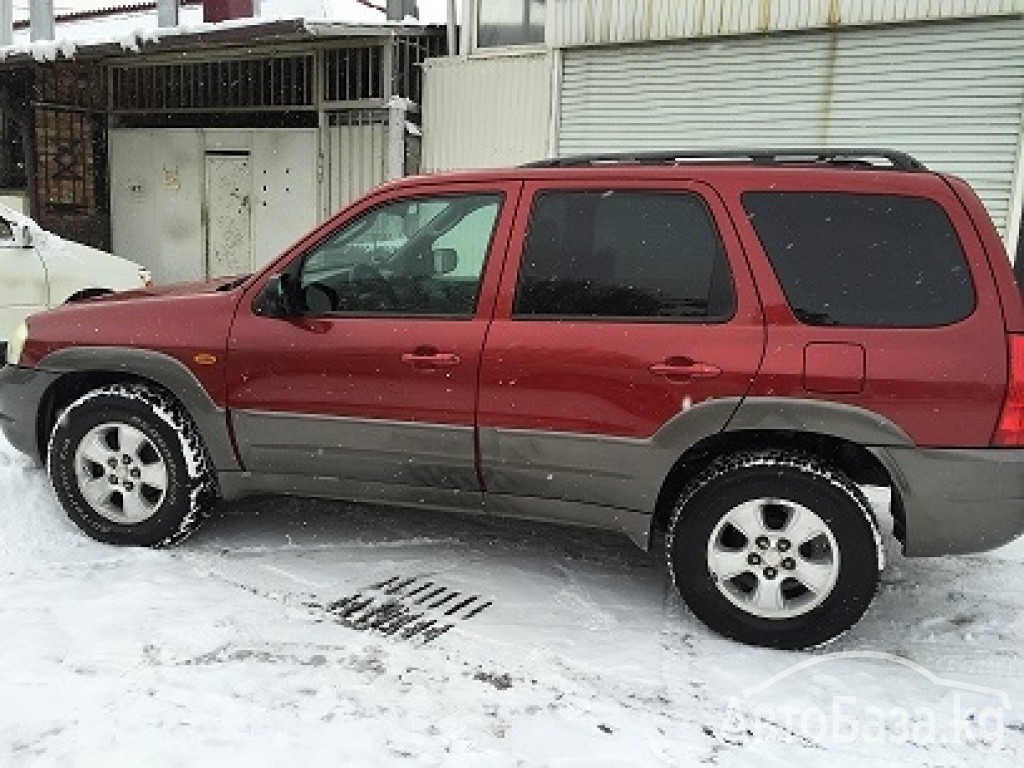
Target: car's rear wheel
{"points": [[129, 467], [775, 549]]}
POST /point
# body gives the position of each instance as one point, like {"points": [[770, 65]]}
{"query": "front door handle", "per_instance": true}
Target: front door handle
{"points": [[431, 359], [685, 368]]}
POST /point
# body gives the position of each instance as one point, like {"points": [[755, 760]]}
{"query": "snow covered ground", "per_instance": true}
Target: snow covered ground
{"points": [[221, 652]]}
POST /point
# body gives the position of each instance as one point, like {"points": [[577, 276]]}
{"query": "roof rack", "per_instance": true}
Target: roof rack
{"points": [[840, 156]]}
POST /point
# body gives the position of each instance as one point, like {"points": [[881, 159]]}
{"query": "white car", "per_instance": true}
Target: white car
{"points": [[39, 270]]}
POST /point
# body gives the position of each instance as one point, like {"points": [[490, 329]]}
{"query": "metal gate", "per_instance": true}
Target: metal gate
{"points": [[69, 185], [356, 155]]}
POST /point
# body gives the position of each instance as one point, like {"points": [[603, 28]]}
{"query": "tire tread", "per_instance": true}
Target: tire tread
{"points": [[805, 463], [202, 487]]}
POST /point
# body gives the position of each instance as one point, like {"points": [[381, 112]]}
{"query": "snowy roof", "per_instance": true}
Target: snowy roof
{"points": [[99, 24], [131, 28], [431, 11], [152, 39]]}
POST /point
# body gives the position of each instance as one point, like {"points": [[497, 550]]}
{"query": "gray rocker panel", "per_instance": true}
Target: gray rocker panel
{"points": [[635, 525], [236, 485]]}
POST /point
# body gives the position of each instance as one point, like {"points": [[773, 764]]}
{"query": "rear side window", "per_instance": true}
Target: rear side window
{"points": [[623, 254], [881, 261]]}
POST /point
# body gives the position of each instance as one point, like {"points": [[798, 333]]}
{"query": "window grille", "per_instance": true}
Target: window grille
{"points": [[279, 81], [353, 74], [70, 138], [410, 53]]}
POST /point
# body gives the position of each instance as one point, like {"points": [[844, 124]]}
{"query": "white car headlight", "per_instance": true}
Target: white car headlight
{"points": [[16, 343]]}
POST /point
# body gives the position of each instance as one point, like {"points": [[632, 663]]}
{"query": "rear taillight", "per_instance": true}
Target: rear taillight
{"points": [[1010, 431]]}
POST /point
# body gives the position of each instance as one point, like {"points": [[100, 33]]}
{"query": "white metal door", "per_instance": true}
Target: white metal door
{"points": [[950, 94], [156, 199], [228, 213]]}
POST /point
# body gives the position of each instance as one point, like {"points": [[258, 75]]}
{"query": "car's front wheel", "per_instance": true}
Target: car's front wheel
{"points": [[775, 549], [129, 467]]}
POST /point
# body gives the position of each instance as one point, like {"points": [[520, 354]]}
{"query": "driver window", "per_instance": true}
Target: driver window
{"points": [[6, 232], [420, 256]]}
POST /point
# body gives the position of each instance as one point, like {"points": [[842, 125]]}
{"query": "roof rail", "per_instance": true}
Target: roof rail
{"points": [[841, 156]]}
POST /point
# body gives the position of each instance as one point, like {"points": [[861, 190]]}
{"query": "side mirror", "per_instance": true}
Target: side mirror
{"points": [[276, 299], [446, 260], [15, 235]]}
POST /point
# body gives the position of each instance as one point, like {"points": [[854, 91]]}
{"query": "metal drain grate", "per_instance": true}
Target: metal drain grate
{"points": [[410, 608]]}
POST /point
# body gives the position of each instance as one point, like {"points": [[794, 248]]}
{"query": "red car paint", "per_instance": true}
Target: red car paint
{"points": [[944, 386]]}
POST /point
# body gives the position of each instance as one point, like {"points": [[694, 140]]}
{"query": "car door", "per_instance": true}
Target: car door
{"points": [[367, 388], [23, 287], [625, 322]]}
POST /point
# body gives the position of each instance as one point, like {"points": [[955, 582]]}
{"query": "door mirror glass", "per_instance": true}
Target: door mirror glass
{"points": [[446, 261], [14, 234], [275, 300]]}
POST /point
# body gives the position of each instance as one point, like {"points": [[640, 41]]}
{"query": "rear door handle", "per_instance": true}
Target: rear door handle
{"points": [[431, 359], [685, 369]]}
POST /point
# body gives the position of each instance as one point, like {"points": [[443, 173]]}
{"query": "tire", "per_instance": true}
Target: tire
{"points": [[803, 573], [129, 467]]}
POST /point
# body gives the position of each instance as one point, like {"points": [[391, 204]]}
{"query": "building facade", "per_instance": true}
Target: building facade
{"points": [[206, 153]]}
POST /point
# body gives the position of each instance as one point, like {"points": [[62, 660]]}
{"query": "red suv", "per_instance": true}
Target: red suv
{"points": [[723, 348]]}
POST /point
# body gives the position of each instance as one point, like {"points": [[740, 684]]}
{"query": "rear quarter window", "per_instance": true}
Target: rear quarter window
{"points": [[864, 260]]}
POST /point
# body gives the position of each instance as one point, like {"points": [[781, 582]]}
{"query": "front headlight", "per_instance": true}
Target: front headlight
{"points": [[16, 343]]}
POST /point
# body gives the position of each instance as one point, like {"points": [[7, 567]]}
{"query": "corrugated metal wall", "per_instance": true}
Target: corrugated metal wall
{"points": [[356, 155], [582, 22], [486, 112], [951, 94]]}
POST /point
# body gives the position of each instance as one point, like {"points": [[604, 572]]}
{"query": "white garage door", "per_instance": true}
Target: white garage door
{"points": [[952, 94]]}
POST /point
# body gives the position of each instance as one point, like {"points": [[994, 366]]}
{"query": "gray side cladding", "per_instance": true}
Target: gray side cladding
{"points": [[627, 473], [609, 473], [822, 417], [161, 369]]}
